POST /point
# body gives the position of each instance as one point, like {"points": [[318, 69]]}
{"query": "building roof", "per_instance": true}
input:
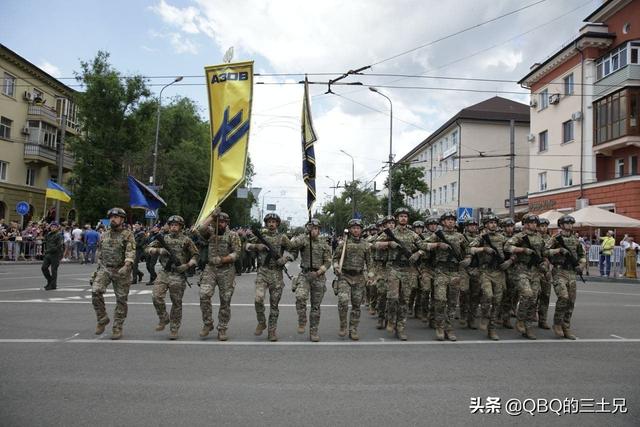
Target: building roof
{"points": [[492, 109]]}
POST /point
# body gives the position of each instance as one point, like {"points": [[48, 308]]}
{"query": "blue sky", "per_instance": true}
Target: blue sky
{"points": [[180, 37]]}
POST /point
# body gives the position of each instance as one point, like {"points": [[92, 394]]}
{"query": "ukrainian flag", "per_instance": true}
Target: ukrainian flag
{"points": [[57, 192]]}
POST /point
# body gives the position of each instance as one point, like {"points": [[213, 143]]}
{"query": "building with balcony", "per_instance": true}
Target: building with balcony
{"points": [[466, 160], [585, 136], [33, 105]]}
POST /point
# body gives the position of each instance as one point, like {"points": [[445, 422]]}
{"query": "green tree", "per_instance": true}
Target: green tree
{"points": [[337, 213], [407, 181]]}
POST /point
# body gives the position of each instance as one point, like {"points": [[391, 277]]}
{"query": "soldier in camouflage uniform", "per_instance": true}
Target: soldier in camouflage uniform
{"points": [[53, 250], [224, 249], [269, 273], [352, 282], [427, 267], [139, 236], [403, 275], [470, 282], [489, 250], [448, 263], [116, 252], [565, 249], [510, 295], [381, 259], [315, 260], [545, 279], [173, 278], [528, 246], [415, 299], [372, 291]]}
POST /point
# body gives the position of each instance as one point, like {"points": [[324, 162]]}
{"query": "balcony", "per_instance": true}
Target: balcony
{"points": [[36, 153], [40, 112]]}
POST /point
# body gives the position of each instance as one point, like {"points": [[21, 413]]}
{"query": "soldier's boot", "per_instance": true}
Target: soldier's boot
{"points": [[205, 330], [568, 334], [440, 334], [313, 335], [542, 324], [493, 335], [259, 329], [116, 334], [557, 329], [530, 334], [473, 323], [353, 334], [222, 335], [101, 326], [343, 329], [402, 335], [506, 323], [463, 323], [301, 327], [520, 326], [451, 335], [173, 334], [484, 324], [271, 335], [164, 322], [380, 324]]}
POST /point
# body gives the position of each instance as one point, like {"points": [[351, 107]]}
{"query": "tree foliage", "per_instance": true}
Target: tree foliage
{"points": [[406, 182]]}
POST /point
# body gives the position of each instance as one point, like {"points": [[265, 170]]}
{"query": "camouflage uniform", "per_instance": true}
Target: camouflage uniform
{"points": [[527, 276], [352, 281], [377, 267], [309, 286], [425, 283], [269, 277], [185, 250], [510, 294], [381, 268], [222, 275], [117, 246], [470, 289], [545, 290]]}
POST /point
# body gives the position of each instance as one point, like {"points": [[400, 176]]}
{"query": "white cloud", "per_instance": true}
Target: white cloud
{"points": [[50, 68]]}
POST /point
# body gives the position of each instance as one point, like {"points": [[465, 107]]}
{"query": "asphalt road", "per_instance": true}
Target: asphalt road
{"points": [[55, 371]]}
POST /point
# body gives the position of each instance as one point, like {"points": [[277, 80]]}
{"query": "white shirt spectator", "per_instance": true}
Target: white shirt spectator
{"points": [[77, 234]]}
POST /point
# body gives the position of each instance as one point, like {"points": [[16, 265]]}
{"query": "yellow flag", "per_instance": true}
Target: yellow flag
{"points": [[230, 88]]}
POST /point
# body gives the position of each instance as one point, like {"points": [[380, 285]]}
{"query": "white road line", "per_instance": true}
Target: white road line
{"points": [[42, 277], [321, 343], [608, 293], [197, 304], [619, 337]]}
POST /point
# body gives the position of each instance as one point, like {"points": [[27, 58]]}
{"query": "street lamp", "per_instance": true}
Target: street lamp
{"points": [[155, 149], [334, 185], [353, 179], [262, 209], [373, 89]]}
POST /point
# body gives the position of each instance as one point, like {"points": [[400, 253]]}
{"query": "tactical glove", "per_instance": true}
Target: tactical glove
{"points": [[182, 268]]}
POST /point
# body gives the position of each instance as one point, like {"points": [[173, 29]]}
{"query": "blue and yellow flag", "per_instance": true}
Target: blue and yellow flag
{"points": [[57, 192], [230, 89], [308, 153]]}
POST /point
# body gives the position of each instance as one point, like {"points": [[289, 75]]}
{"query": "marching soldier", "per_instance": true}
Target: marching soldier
{"points": [[545, 279], [415, 299], [450, 255], [151, 260], [224, 249], [470, 282], [403, 276], [269, 273], [53, 250], [173, 278], [510, 295], [381, 258], [315, 260], [352, 283], [116, 252], [139, 236], [528, 246], [568, 258], [427, 266], [489, 250], [371, 293]]}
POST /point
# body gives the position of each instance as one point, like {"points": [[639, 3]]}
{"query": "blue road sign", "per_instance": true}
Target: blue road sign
{"points": [[464, 214], [22, 208], [151, 214]]}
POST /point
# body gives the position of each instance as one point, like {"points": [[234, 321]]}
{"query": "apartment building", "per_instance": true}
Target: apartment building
{"points": [[32, 105], [466, 160]]}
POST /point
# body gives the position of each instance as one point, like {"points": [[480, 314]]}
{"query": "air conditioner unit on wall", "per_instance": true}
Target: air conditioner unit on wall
{"points": [[554, 99], [533, 103], [26, 130], [577, 116], [28, 96], [531, 137]]}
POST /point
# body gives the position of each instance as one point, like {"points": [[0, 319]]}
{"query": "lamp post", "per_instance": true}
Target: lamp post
{"points": [[334, 185], [155, 147], [353, 180], [262, 209], [373, 89]]}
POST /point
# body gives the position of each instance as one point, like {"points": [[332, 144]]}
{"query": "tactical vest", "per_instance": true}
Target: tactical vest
{"points": [[497, 241], [573, 244], [318, 248], [219, 245], [113, 246], [275, 240], [354, 257], [178, 244], [535, 242], [456, 240]]}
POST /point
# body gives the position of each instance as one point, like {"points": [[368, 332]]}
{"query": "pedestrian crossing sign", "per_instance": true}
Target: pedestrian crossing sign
{"points": [[151, 214], [464, 214]]}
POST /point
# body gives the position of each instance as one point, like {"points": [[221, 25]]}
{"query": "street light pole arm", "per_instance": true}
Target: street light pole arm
{"points": [[155, 146]]}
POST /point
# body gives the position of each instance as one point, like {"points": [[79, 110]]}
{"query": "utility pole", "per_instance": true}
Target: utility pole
{"points": [[373, 89], [353, 180], [512, 167], [63, 130]]}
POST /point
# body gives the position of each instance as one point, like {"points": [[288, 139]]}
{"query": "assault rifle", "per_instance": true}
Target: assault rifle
{"points": [[536, 259], [271, 252], [496, 256], [444, 239], [573, 260], [173, 260], [405, 251]]}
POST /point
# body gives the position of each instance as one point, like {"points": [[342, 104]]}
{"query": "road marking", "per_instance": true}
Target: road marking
{"points": [[619, 337], [609, 293], [321, 343], [73, 300], [42, 277]]}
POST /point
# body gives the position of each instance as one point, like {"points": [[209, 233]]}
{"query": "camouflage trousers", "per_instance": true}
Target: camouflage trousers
{"points": [[224, 279], [382, 276], [492, 284], [564, 285], [271, 280], [401, 281], [446, 289], [310, 288], [528, 280], [350, 288], [372, 289], [510, 295], [175, 284], [543, 298], [121, 283], [470, 291], [420, 296]]}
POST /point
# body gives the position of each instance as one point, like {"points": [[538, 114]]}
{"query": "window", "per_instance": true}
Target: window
{"points": [[567, 179], [542, 181], [456, 164], [445, 194], [633, 165], [5, 128], [567, 131], [568, 85], [617, 59], [544, 99], [619, 168], [616, 115], [3, 170], [542, 141], [9, 85], [31, 177], [454, 191]]}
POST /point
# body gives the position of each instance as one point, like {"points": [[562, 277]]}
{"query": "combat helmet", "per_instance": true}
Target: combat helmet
{"points": [[529, 218], [401, 210], [448, 214], [116, 212], [175, 219], [355, 221], [489, 218], [566, 219], [272, 215]]}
